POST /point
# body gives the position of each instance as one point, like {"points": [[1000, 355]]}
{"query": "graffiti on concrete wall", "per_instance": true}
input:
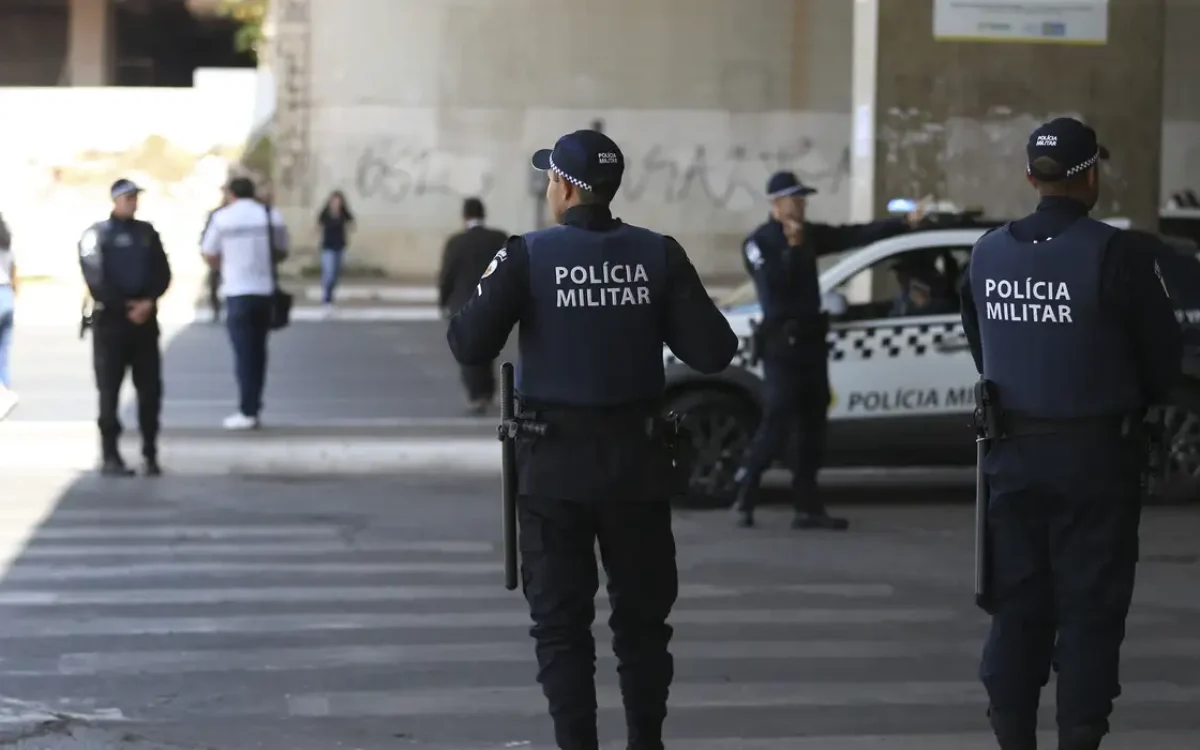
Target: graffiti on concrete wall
{"points": [[729, 177], [391, 170]]}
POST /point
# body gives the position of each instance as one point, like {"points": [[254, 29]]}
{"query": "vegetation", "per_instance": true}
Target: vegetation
{"points": [[251, 15]]}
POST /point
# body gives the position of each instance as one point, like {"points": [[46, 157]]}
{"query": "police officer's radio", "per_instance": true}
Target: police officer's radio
{"points": [[511, 427]]}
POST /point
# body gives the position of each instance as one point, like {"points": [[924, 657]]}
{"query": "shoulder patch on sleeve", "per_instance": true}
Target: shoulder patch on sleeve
{"points": [[496, 261], [753, 254], [89, 243]]}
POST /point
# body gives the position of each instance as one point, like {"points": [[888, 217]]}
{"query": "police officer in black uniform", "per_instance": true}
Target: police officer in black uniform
{"points": [[126, 271], [781, 257], [1070, 321], [596, 299]]}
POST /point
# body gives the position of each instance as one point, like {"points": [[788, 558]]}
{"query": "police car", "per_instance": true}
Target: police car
{"points": [[902, 385]]}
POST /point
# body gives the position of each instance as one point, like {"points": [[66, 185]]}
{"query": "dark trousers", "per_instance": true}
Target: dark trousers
{"points": [[558, 567], [480, 381], [119, 346], [796, 403], [1064, 513], [248, 318], [214, 291]]}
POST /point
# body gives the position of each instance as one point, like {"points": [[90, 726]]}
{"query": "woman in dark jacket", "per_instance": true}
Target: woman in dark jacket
{"points": [[335, 222]]}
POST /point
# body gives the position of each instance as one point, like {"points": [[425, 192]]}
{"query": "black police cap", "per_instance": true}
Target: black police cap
{"points": [[124, 187], [587, 159], [1061, 149], [783, 184]]}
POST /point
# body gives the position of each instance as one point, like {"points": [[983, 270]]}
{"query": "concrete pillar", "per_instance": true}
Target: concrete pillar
{"points": [[952, 117], [90, 42]]}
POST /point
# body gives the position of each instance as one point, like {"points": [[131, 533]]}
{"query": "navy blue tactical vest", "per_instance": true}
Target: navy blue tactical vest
{"points": [[591, 334], [126, 254], [1047, 344]]}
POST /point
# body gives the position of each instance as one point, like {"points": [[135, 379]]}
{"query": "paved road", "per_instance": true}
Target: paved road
{"points": [[322, 374], [312, 614]]}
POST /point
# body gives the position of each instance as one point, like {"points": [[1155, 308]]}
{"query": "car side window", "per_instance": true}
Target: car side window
{"points": [[915, 283]]}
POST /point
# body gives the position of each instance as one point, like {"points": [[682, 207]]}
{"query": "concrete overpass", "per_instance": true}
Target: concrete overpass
{"points": [[410, 104]]}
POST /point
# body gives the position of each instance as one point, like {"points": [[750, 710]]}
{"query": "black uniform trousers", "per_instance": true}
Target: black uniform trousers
{"points": [[119, 346], [558, 540], [1063, 513], [795, 403]]}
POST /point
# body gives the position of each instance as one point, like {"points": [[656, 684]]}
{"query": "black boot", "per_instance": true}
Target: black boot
{"points": [[111, 463], [114, 466], [810, 510], [743, 507], [1081, 738], [818, 520], [581, 736], [151, 467], [644, 733], [1013, 734]]}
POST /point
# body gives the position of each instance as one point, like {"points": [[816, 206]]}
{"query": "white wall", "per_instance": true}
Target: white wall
{"points": [[65, 150], [417, 103]]}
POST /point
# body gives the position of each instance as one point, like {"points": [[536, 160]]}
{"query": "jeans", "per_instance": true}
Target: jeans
{"points": [[331, 271], [248, 318], [7, 302]]}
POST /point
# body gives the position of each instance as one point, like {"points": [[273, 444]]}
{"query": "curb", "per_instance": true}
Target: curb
{"points": [[254, 454], [29, 317]]}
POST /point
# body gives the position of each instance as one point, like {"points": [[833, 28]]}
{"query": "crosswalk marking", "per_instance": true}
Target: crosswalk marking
{"points": [[513, 618], [309, 657], [1137, 740], [190, 547], [692, 695], [327, 594], [413, 629]]}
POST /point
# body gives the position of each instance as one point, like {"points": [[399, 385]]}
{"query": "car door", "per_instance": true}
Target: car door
{"points": [[901, 376]]}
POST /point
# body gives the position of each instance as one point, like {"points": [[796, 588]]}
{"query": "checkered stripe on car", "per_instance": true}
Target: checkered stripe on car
{"points": [[889, 341], [870, 342]]}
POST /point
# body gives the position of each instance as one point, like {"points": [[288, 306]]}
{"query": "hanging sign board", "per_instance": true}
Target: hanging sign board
{"points": [[1021, 21]]}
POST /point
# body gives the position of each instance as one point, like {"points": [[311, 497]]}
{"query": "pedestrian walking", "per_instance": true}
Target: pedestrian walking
{"points": [[1074, 335], [244, 241], [464, 259], [781, 258], [336, 223], [214, 274], [126, 271], [596, 299]]}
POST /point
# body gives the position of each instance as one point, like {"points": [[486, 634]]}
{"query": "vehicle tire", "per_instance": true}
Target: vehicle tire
{"points": [[721, 426], [1178, 481]]}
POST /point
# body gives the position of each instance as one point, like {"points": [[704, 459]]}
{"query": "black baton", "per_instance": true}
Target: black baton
{"points": [[986, 429], [508, 473], [511, 427]]}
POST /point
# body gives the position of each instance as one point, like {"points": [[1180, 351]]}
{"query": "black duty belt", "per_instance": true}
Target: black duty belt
{"points": [[1020, 425], [560, 424]]}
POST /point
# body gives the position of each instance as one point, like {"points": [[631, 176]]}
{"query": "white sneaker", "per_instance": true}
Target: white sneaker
{"points": [[327, 310], [8, 400], [240, 421]]}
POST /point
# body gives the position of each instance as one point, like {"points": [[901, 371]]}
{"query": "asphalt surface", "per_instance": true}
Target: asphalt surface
{"points": [[286, 614], [327, 375]]}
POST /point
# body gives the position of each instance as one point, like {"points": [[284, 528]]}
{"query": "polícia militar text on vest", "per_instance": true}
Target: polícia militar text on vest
{"points": [[600, 290], [1021, 310]]}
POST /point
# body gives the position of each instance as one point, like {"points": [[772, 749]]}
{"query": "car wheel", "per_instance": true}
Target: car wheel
{"points": [[721, 425], [1179, 479]]}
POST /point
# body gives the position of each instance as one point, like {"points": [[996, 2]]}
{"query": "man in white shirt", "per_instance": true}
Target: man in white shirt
{"points": [[237, 243]]}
